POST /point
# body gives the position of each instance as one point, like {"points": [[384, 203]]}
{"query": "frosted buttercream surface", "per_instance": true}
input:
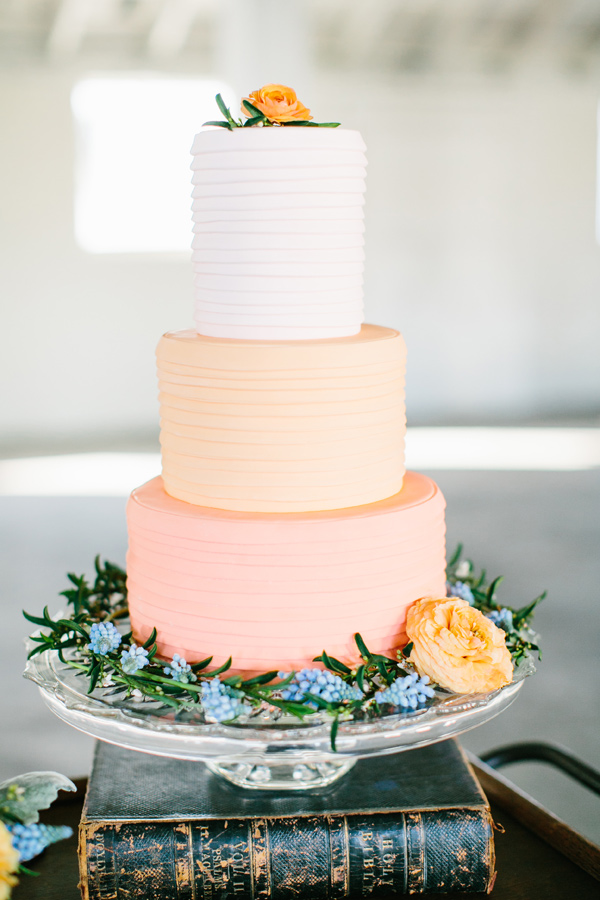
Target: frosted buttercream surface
{"points": [[274, 590], [278, 232], [282, 426]]}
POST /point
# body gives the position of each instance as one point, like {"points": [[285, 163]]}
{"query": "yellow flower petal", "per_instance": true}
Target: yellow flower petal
{"points": [[9, 863]]}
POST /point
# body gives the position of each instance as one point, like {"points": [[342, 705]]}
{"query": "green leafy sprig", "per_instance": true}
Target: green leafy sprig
{"points": [[374, 672], [521, 639], [256, 117], [105, 601]]}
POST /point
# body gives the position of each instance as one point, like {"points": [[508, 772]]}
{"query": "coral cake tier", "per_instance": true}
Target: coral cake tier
{"points": [[282, 426], [274, 590]]}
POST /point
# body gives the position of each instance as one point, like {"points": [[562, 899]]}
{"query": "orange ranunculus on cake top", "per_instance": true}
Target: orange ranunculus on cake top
{"points": [[278, 103]]}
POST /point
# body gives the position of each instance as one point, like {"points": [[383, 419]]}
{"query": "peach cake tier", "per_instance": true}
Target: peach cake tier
{"points": [[273, 590], [282, 426]]}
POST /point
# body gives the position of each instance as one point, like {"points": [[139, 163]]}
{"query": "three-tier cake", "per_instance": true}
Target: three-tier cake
{"points": [[284, 521]]}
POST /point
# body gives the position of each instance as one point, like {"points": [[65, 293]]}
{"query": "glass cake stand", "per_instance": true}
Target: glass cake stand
{"points": [[267, 750]]}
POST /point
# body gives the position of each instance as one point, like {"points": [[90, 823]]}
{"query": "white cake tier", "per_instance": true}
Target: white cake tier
{"points": [[278, 232], [299, 227], [253, 245], [301, 217]]}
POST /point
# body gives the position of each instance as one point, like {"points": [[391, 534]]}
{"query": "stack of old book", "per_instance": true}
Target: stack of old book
{"points": [[413, 822]]}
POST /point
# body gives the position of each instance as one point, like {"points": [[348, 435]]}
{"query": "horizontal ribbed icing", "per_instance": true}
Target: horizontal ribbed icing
{"points": [[334, 439], [275, 211], [276, 140], [218, 582]]}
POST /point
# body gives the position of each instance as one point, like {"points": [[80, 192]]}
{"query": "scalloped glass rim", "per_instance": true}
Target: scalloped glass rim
{"points": [[259, 739]]}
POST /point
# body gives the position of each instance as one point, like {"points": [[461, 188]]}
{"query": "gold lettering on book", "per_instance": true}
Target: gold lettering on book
{"points": [[239, 868], [388, 859], [219, 868], [205, 864], [368, 855], [100, 852]]}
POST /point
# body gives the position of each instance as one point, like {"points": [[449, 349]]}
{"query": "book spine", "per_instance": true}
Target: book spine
{"points": [[324, 857]]}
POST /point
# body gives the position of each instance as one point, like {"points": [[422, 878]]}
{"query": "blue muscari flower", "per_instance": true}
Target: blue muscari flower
{"points": [[220, 702], [503, 618], [320, 683], [104, 637], [409, 692], [180, 670], [31, 840], [460, 589], [134, 659]]}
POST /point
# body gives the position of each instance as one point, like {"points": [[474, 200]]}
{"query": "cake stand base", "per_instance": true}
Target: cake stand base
{"points": [[281, 775]]}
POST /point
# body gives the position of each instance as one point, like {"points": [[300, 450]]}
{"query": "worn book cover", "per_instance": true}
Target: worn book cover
{"points": [[406, 823]]}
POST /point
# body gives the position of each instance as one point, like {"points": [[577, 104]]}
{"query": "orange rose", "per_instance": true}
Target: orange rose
{"points": [[457, 646], [278, 103]]}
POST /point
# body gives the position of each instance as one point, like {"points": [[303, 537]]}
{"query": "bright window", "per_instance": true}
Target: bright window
{"points": [[133, 182]]}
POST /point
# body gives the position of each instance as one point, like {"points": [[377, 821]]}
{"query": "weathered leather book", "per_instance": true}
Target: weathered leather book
{"points": [[414, 822]]}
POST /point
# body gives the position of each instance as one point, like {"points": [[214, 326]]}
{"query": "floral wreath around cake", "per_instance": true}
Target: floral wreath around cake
{"points": [[464, 643]]}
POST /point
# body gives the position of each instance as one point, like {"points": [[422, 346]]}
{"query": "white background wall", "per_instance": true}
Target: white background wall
{"points": [[480, 248]]}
